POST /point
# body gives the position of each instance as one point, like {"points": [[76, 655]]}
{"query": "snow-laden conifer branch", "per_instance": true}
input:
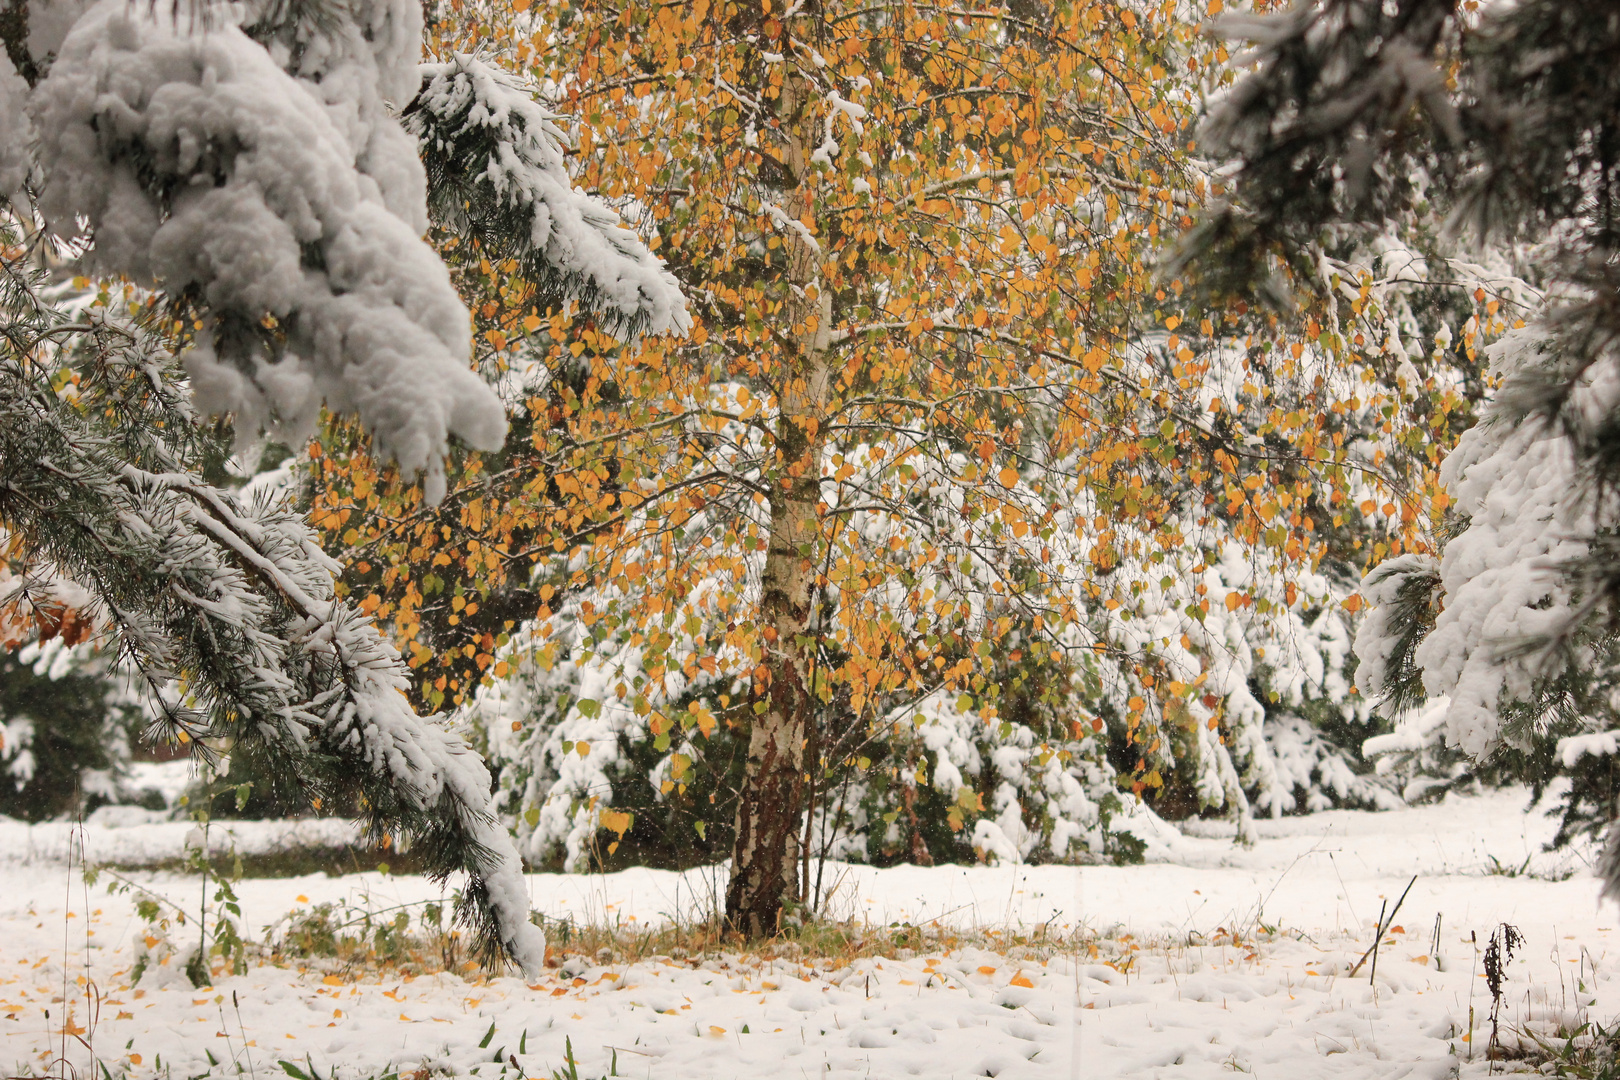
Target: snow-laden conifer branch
{"points": [[1402, 593], [239, 600], [497, 178], [245, 161], [202, 165], [1341, 122], [1329, 117]]}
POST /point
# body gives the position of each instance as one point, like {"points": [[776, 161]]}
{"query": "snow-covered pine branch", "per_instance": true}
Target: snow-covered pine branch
{"points": [[247, 163], [252, 170], [201, 165], [1401, 592], [239, 599], [496, 175]]}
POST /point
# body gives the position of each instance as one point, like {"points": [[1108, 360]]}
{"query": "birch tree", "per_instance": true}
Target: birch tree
{"points": [[940, 444]]}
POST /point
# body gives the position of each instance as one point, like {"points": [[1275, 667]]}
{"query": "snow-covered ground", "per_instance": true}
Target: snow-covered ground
{"points": [[1212, 959]]}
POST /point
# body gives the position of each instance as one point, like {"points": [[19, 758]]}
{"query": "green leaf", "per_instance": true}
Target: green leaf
{"points": [[701, 827], [588, 708], [488, 1035], [294, 1071]]}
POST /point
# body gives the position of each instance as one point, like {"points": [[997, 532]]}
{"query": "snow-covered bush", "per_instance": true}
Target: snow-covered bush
{"points": [[935, 779], [1026, 782], [66, 726]]}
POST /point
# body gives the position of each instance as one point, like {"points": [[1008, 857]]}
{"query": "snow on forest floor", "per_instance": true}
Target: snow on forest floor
{"points": [[1212, 959]]}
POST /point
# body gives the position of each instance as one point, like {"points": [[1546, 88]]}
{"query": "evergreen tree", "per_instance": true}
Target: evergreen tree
{"points": [[242, 170], [1355, 117], [66, 725]]}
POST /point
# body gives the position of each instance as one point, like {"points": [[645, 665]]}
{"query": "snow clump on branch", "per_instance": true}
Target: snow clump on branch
{"points": [[497, 174], [202, 165]]}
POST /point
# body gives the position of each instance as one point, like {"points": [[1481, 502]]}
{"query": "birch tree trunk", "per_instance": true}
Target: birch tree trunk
{"points": [[764, 863]]}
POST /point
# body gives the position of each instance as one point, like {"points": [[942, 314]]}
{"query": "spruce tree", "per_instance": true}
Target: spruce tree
{"points": [[245, 174], [1350, 118]]}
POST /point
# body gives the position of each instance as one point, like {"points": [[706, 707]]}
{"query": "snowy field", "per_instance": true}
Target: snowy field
{"points": [[1209, 960]]}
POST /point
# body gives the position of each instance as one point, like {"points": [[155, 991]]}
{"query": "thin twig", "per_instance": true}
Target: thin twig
{"points": [[1372, 976], [1383, 927]]}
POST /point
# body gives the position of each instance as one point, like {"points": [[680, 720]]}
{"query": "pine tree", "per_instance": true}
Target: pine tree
{"points": [[243, 172], [66, 727]]}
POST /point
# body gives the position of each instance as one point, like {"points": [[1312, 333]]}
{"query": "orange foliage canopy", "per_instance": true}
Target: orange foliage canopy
{"points": [[918, 241]]}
